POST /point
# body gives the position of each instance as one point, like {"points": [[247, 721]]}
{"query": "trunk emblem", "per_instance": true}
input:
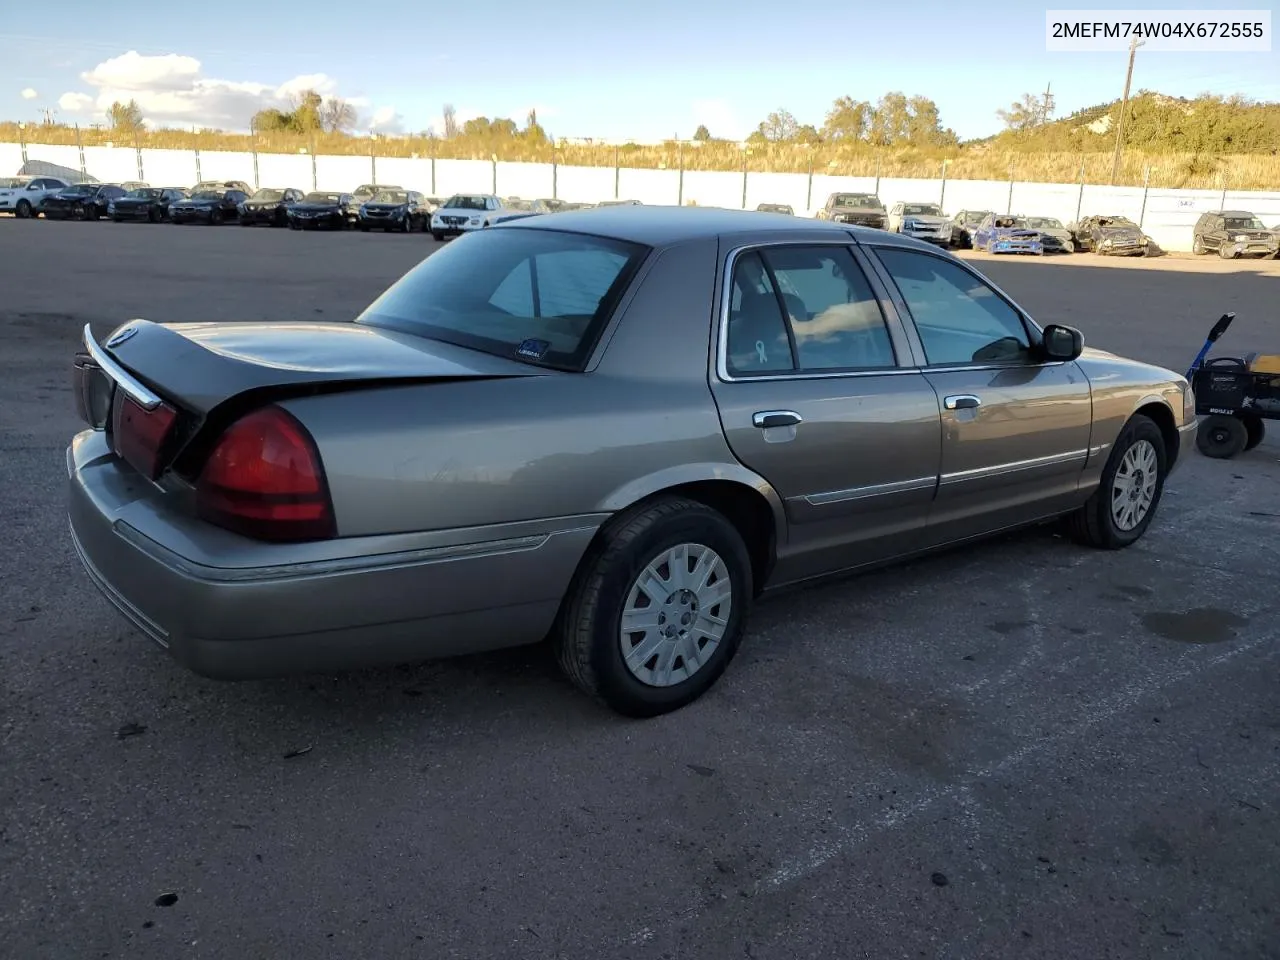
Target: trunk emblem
{"points": [[120, 336]]}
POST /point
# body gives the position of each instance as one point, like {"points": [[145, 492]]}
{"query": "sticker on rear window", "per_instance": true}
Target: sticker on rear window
{"points": [[533, 349]]}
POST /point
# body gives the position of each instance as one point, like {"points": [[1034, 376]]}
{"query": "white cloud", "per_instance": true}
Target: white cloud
{"points": [[75, 102], [170, 89], [29, 94], [386, 120]]}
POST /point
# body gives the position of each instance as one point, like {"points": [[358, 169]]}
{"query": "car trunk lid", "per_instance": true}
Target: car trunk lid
{"points": [[158, 387]]}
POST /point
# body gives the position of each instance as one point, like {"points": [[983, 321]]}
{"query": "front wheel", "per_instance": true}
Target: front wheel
{"points": [[1128, 495], [23, 210], [215, 218], [657, 609], [1197, 246], [1222, 437], [154, 215], [1226, 251], [437, 236]]}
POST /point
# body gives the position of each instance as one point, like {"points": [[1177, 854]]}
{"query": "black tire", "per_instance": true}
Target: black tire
{"points": [[406, 226], [1197, 246], [364, 228], [293, 226], [1222, 437], [1093, 523], [23, 210], [1257, 429], [281, 219], [154, 215], [437, 236], [1226, 251], [215, 218], [587, 634]]}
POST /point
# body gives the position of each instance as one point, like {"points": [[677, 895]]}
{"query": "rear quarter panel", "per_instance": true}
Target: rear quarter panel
{"points": [[475, 453]]}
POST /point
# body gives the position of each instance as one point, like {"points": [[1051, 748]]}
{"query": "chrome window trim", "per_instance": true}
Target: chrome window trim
{"points": [[874, 490], [126, 381], [849, 243], [1015, 466]]}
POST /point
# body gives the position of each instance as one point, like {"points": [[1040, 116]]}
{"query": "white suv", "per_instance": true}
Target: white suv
{"points": [[21, 196], [464, 212]]}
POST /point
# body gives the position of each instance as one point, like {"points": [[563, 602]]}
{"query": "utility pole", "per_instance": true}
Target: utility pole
{"points": [[1046, 104], [1134, 44]]}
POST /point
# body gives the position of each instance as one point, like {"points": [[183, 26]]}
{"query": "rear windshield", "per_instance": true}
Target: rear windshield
{"points": [[537, 296]]}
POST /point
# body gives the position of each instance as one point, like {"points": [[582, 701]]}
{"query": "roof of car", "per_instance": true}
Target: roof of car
{"points": [[658, 226], [1233, 213]]}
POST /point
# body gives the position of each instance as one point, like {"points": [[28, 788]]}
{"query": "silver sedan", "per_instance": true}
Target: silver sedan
{"points": [[613, 428]]}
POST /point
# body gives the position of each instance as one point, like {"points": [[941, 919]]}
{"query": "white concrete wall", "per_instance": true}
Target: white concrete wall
{"points": [[1167, 215]]}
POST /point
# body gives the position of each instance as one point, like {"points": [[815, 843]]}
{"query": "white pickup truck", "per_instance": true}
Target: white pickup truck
{"points": [[21, 196]]}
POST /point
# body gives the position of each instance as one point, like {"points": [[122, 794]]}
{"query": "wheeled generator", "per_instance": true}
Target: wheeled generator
{"points": [[1234, 395]]}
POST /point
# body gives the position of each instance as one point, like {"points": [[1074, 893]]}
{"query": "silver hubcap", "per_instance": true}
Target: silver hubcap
{"points": [[676, 614], [1135, 485]]}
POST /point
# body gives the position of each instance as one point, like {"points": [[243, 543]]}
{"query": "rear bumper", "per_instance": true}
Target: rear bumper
{"points": [[365, 603]]}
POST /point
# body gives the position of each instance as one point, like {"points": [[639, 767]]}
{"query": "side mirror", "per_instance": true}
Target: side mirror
{"points": [[1062, 343]]}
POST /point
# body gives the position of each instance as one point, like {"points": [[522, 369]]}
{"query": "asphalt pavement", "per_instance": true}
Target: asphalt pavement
{"points": [[1025, 749]]}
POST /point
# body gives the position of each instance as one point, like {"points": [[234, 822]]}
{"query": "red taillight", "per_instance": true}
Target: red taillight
{"points": [[140, 434], [264, 480]]}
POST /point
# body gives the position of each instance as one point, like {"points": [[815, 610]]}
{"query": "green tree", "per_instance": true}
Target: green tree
{"points": [[807, 134], [125, 117], [702, 134], [848, 119], [270, 120], [890, 121], [307, 112], [779, 126]]}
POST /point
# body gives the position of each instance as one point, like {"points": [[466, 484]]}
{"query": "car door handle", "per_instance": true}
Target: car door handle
{"points": [[775, 418], [962, 401]]}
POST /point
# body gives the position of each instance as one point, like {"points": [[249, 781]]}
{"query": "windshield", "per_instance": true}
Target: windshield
{"points": [[974, 216], [1116, 222], [1044, 223], [465, 203], [1244, 223], [365, 190], [322, 198], [1007, 223], [922, 210], [143, 193], [857, 200], [208, 195], [391, 196], [268, 195], [536, 296]]}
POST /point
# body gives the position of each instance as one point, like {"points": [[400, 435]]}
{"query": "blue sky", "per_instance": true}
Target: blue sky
{"points": [[592, 68]]}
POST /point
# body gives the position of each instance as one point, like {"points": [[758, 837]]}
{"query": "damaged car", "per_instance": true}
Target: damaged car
{"points": [[1054, 237], [859, 209], [1005, 233], [1110, 236]]}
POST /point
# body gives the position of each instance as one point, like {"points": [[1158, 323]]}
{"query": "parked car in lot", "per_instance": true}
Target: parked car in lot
{"points": [[776, 208], [861, 209], [391, 209], [269, 206], [213, 207], [464, 212], [614, 428], [1004, 233], [80, 201], [924, 221], [21, 196], [1108, 235], [552, 205], [1054, 237], [367, 191], [964, 223], [219, 186], [322, 208], [1231, 234], [145, 203]]}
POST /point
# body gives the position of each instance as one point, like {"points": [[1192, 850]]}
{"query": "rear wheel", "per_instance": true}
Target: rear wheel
{"points": [[1257, 430], [23, 210], [215, 218], [154, 215], [1128, 495], [1222, 437], [657, 608]]}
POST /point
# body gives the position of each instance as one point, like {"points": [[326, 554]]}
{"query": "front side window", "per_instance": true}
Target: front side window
{"points": [[533, 295], [960, 319], [809, 309]]}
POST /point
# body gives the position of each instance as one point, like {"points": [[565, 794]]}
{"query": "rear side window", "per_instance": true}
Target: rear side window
{"points": [[533, 295], [804, 308], [959, 318]]}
